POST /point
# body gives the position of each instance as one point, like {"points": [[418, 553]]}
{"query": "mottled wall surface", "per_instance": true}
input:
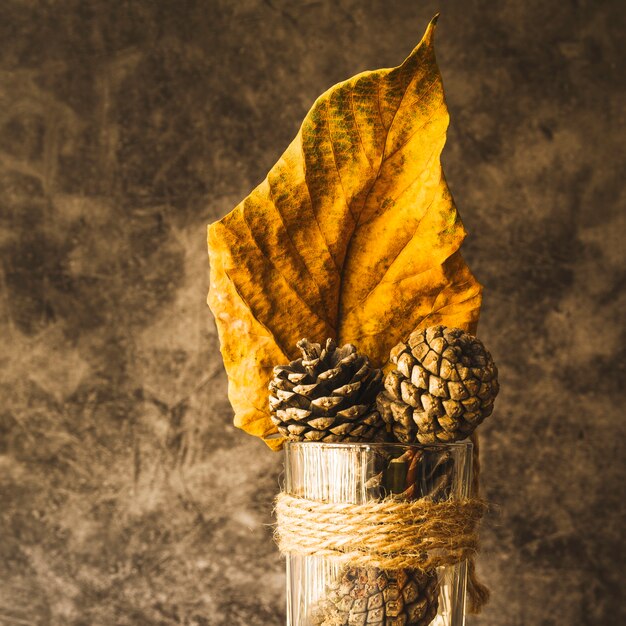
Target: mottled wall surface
{"points": [[126, 496]]}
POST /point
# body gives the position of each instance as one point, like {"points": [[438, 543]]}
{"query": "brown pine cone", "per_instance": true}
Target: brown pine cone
{"points": [[444, 386], [327, 395], [368, 596], [408, 597]]}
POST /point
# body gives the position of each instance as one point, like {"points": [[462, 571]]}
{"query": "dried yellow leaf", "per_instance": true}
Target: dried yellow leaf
{"points": [[352, 235]]}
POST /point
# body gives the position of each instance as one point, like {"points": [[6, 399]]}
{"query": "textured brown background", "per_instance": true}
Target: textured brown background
{"points": [[126, 497]]}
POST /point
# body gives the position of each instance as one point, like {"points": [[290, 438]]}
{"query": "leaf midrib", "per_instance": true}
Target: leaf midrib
{"points": [[383, 158]]}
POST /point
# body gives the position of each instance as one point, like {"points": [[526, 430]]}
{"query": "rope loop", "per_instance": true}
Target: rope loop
{"points": [[389, 534]]}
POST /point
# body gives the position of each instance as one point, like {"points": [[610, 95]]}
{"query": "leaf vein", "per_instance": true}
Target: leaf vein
{"points": [[254, 317], [358, 128], [285, 280], [332, 150], [293, 245], [417, 130], [308, 191], [395, 258]]}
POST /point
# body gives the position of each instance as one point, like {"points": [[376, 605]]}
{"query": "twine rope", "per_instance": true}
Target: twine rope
{"points": [[390, 534]]}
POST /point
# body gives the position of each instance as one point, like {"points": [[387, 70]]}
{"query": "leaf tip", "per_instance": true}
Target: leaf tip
{"points": [[430, 29], [426, 42]]}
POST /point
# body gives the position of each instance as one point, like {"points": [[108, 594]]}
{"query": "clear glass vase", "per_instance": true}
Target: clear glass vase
{"points": [[321, 591]]}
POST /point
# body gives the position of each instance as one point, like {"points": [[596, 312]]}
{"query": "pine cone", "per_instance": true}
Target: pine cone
{"points": [[408, 597], [444, 386], [369, 596], [327, 395]]}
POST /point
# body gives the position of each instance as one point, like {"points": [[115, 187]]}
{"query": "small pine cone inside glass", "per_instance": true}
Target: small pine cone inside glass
{"points": [[368, 596], [327, 395], [444, 385]]}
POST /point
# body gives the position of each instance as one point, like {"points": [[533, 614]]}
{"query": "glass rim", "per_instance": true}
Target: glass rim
{"points": [[366, 445]]}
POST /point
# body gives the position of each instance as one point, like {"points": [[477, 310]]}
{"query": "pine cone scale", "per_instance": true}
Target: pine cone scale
{"points": [[372, 597]]}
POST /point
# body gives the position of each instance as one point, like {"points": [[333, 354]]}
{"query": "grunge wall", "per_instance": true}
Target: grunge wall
{"points": [[126, 496]]}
